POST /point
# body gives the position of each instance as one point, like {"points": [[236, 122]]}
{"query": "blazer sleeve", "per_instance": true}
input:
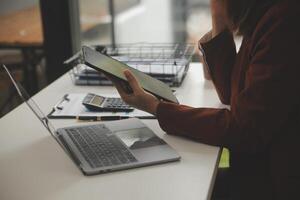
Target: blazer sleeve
{"points": [[219, 62], [269, 99]]}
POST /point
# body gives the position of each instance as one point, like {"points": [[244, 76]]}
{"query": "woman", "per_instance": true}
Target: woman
{"points": [[261, 85]]}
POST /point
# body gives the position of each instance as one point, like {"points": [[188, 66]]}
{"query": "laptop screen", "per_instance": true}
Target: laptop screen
{"points": [[31, 104]]}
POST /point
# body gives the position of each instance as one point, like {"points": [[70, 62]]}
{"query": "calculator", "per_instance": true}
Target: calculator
{"points": [[95, 102]]}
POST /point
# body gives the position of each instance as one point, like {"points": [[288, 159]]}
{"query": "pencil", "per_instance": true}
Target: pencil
{"points": [[102, 118]]}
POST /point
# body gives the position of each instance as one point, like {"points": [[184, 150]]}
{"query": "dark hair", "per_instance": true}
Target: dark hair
{"points": [[245, 14]]}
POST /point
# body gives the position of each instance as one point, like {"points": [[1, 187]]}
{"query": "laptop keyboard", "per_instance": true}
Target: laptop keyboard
{"points": [[99, 147]]}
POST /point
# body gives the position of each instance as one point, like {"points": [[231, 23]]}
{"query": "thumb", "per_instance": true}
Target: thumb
{"points": [[132, 81]]}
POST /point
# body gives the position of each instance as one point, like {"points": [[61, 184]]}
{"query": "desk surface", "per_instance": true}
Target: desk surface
{"points": [[33, 166]]}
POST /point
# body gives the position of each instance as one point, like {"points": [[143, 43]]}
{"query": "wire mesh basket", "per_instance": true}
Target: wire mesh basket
{"points": [[166, 62]]}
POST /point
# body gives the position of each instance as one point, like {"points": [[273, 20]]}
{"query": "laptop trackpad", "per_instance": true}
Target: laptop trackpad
{"points": [[139, 138]]}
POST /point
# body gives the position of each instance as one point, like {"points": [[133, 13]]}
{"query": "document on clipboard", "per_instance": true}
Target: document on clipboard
{"points": [[115, 68], [70, 106]]}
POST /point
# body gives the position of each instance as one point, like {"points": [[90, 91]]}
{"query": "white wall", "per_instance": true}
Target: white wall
{"points": [[148, 22]]}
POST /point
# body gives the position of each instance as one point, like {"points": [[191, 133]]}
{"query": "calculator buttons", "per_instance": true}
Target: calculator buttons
{"points": [[98, 103]]}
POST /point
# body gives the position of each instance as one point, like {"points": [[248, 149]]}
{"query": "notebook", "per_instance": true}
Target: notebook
{"points": [[115, 68]]}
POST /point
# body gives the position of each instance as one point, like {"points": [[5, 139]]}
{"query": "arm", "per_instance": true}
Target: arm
{"points": [[269, 99], [218, 51], [219, 57]]}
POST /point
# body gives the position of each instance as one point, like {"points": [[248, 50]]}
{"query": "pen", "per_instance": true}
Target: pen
{"points": [[103, 118], [65, 98]]}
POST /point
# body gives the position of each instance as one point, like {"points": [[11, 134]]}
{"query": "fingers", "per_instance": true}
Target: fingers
{"points": [[132, 82], [132, 96], [111, 78], [120, 89]]}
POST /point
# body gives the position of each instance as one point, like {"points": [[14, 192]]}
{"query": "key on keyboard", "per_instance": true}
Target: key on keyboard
{"points": [[99, 147]]}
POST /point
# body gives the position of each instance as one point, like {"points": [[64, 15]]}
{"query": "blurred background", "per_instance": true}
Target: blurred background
{"points": [[38, 35]]}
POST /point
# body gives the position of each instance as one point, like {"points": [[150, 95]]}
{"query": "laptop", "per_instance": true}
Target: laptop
{"points": [[107, 146]]}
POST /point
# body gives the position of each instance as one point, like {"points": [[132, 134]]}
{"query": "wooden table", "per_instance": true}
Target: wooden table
{"points": [[24, 27], [22, 30]]}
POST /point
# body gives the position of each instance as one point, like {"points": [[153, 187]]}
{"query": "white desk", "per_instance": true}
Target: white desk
{"points": [[34, 167]]}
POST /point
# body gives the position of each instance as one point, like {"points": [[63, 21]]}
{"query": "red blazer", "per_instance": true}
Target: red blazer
{"points": [[261, 83]]}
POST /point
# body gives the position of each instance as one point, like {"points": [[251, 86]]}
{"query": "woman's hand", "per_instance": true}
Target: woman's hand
{"points": [[139, 98], [219, 16]]}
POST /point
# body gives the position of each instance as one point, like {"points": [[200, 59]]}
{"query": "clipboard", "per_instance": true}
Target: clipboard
{"points": [[70, 107]]}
